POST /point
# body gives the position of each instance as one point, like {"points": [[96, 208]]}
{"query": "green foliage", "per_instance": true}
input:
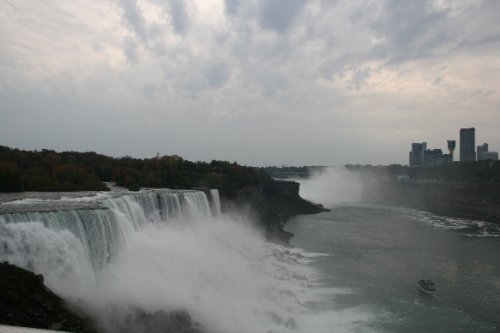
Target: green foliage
{"points": [[10, 180], [48, 170]]}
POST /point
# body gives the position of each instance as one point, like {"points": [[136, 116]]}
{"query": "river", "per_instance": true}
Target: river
{"points": [[375, 255]]}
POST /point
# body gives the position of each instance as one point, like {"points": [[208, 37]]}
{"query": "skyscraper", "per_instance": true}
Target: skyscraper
{"points": [[481, 150], [467, 144], [417, 154]]}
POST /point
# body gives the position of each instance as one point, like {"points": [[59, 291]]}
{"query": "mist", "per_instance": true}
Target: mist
{"points": [[332, 186], [216, 267]]}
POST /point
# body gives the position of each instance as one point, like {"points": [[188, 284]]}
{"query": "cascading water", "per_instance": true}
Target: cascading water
{"points": [[215, 202], [103, 231], [169, 250]]}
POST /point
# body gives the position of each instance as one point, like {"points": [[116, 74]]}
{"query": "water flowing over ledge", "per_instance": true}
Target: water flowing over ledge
{"points": [[100, 222], [129, 256]]}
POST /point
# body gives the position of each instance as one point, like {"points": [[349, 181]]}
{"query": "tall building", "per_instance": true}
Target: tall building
{"points": [[484, 154], [481, 150], [490, 155], [467, 144], [417, 154], [451, 148]]}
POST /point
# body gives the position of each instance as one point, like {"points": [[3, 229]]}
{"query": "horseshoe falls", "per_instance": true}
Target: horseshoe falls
{"points": [[119, 253]]}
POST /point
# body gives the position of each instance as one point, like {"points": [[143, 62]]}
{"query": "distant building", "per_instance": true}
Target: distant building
{"points": [[484, 154], [467, 144], [417, 154], [481, 150], [446, 159], [451, 148], [490, 155], [420, 156], [434, 157]]}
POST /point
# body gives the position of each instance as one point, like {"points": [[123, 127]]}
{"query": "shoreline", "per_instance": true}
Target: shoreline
{"points": [[459, 200]]}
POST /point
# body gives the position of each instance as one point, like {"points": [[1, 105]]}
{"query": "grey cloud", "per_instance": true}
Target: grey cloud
{"points": [[178, 12], [149, 34], [486, 40], [130, 49], [180, 17], [360, 78], [417, 29], [279, 15], [133, 15], [485, 30], [411, 29], [232, 6], [276, 68], [149, 90], [217, 74]]}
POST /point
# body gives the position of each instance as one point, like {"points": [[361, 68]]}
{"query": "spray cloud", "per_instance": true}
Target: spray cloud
{"points": [[332, 186]]}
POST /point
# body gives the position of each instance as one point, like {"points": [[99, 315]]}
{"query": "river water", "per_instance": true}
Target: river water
{"points": [[376, 255]]}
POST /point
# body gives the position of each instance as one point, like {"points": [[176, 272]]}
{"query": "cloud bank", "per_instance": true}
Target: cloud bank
{"points": [[258, 82]]}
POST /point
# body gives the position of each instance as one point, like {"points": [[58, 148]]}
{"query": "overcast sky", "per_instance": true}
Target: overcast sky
{"points": [[258, 82]]}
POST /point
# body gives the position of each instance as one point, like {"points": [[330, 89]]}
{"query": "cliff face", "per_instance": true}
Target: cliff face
{"points": [[471, 201], [273, 203], [25, 301]]}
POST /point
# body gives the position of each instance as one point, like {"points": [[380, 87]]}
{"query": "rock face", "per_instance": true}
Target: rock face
{"points": [[273, 204], [471, 201], [158, 322], [26, 301]]}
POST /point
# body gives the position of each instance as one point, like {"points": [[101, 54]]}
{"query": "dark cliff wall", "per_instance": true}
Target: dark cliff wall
{"points": [[273, 203], [25, 301], [472, 201]]}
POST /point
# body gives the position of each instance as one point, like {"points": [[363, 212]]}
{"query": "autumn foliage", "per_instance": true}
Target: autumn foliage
{"points": [[47, 170]]}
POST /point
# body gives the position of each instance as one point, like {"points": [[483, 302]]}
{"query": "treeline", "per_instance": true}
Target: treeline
{"points": [[291, 171], [286, 169], [47, 170], [457, 172]]}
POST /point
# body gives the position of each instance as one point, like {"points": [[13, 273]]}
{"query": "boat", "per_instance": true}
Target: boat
{"points": [[426, 286]]}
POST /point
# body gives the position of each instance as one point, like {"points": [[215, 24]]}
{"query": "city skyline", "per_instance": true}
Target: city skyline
{"points": [[422, 155]]}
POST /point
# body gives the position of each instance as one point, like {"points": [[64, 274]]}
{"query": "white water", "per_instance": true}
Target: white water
{"points": [[332, 186], [164, 250]]}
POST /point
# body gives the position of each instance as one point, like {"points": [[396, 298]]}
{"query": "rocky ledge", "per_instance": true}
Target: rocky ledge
{"points": [[273, 203], [26, 301]]}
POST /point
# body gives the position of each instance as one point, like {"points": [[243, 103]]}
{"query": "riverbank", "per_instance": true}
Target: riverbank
{"points": [[474, 201]]}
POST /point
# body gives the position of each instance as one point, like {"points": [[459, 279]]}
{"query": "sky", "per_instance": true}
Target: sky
{"points": [[275, 82]]}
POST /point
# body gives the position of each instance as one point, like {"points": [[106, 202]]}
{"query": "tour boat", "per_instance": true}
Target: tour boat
{"points": [[426, 286]]}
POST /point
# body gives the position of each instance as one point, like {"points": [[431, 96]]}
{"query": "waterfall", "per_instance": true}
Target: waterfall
{"points": [[215, 201], [103, 231], [161, 250]]}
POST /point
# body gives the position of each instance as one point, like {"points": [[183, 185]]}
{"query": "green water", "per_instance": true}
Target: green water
{"points": [[377, 255]]}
